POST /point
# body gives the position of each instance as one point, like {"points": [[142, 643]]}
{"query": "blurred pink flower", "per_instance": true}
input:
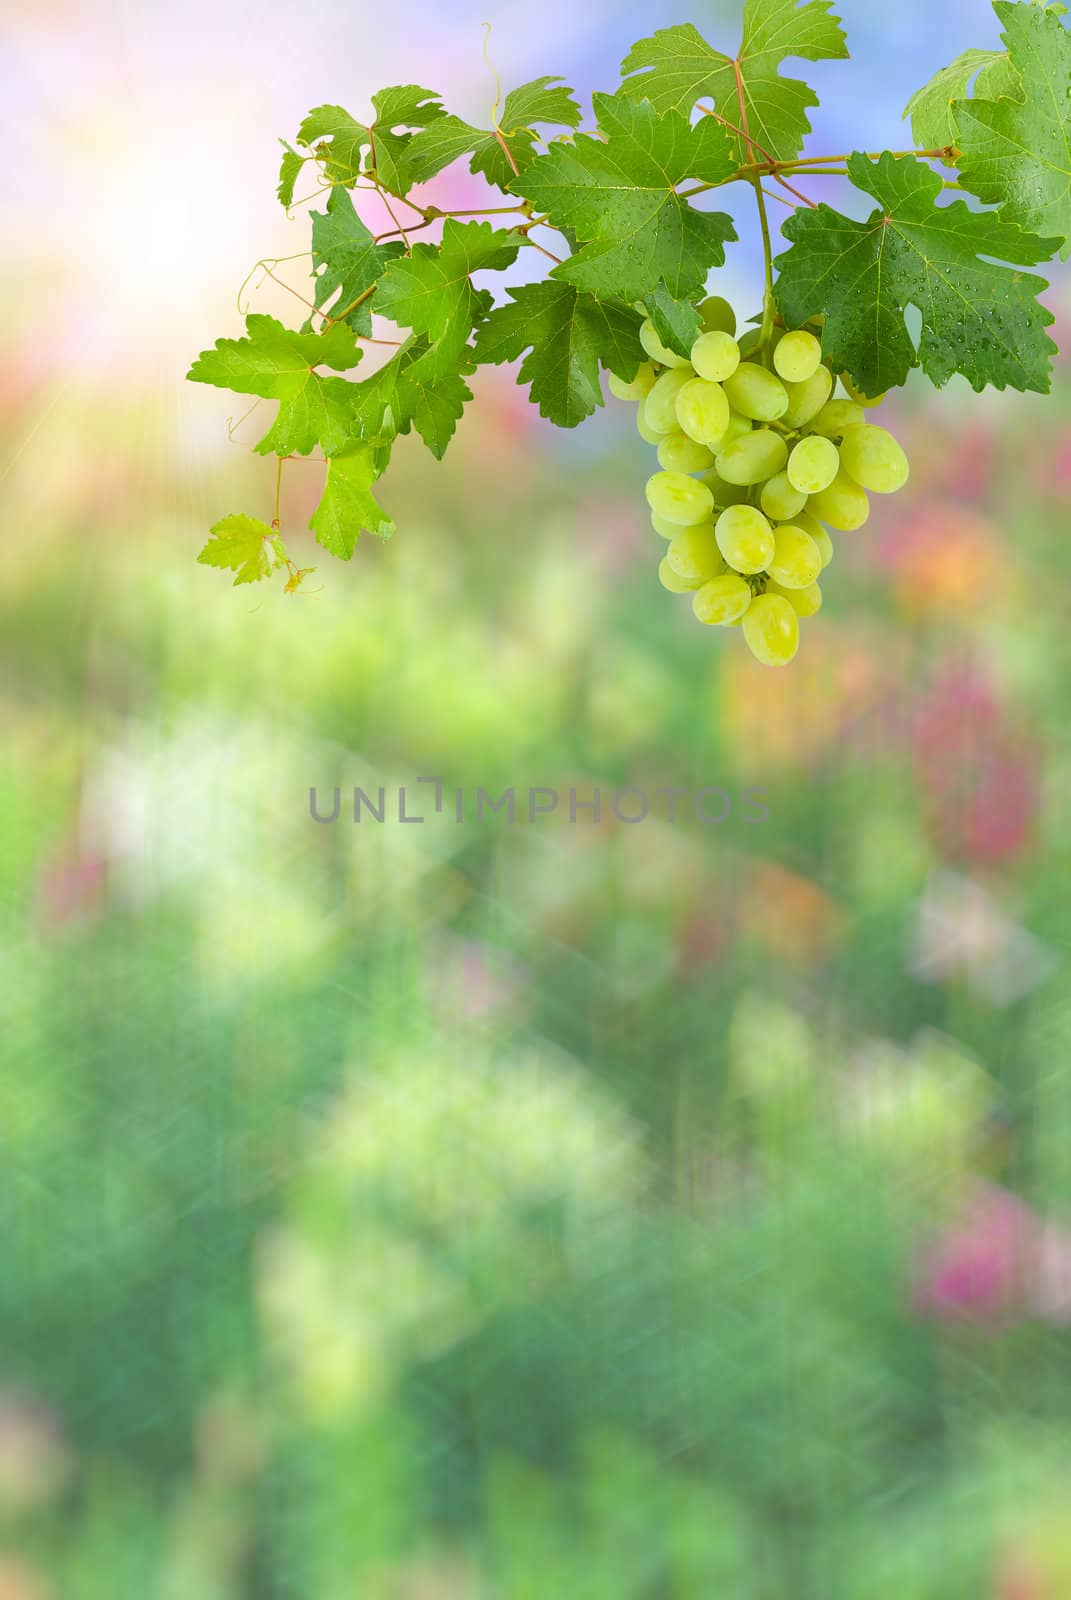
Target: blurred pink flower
{"points": [[998, 1262], [962, 933], [942, 557]]}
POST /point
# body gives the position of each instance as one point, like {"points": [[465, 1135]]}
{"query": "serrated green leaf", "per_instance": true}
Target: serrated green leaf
{"points": [[1017, 153], [289, 172], [543, 100], [619, 195], [979, 319], [931, 108], [337, 140], [568, 334], [413, 390], [676, 322], [538, 102], [431, 290], [408, 108], [676, 67], [348, 505], [349, 257], [245, 546], [279, 364]]}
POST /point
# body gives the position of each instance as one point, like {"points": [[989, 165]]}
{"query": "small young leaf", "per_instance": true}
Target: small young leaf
{"points": [[979, 319], [568, 335], [347, 504], [619, 195], [932, 110], [431, 290], [676, 322], [1016, 153], [350, 258], [446, 140], [676, 67], [245, 546], [406, 107], [277, 363], [336, 139], [289, 172]]}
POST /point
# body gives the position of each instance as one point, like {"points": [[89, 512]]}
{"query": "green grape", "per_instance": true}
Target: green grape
{"points": [[865, 400], [666, 530], [679, 499], [738, 426], [745, 538], [660, 406], [725, 494], [643, 427], [756, 393], [779, 499], [804, 602], [753, 457], [772, 630], [657, 350], [835, 416], [694, 554], [843, 505], [796, 560], [638, 389], [813, 464], [819, 534], [672, 580], [703, 411], [797, 357], [717, 315], [805, 400], [715, 356], [723, 600], [678, 453], [874, 458]]}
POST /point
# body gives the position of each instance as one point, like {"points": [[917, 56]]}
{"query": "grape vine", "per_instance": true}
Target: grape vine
{"points": [[759, 454]]}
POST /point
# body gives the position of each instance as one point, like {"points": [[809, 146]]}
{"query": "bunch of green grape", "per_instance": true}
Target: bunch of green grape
{"points": [[759, 460]]}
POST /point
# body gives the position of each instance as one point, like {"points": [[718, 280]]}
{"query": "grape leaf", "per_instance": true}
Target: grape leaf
{"points": [[347, 504], [335, 139], [431, 289], [676, 322], [675, 67], [932, 108], [544, 100], [1017, 152], [289, 172], [978, 318], [408, 106], [350, 258], [245, 546], [568, 335], [279, 364], [619, 194], [412, 390]]}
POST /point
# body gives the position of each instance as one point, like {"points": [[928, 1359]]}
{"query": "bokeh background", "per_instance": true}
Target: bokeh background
{"points": [[429, 1213]]}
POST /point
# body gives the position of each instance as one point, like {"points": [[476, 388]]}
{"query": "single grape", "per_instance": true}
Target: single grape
{"points": [[797, 357], [835, 416], [725, 494], [715, 356], [717, 315], [666, 530], [772, 630], [745, 538], [843, 505], [756, 393], [738, 426], [694, 554], [638, 389], [672, 580], [865, 400], [796, 560], [780, 500], [660, 406], [820, 535], [703, 411], [679, 499], [805, 400], [813, 464], [643, 427], [657, 350], [678, 453], [723, 600], [753, 457], [804, 602], [874, 458]]}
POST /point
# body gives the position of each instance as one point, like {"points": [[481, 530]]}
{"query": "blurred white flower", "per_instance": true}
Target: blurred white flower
{"points": [[962, 932]]}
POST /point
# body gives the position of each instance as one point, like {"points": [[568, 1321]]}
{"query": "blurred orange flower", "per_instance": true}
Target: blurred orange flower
{"points": [[791, 915], [947, 558]]}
